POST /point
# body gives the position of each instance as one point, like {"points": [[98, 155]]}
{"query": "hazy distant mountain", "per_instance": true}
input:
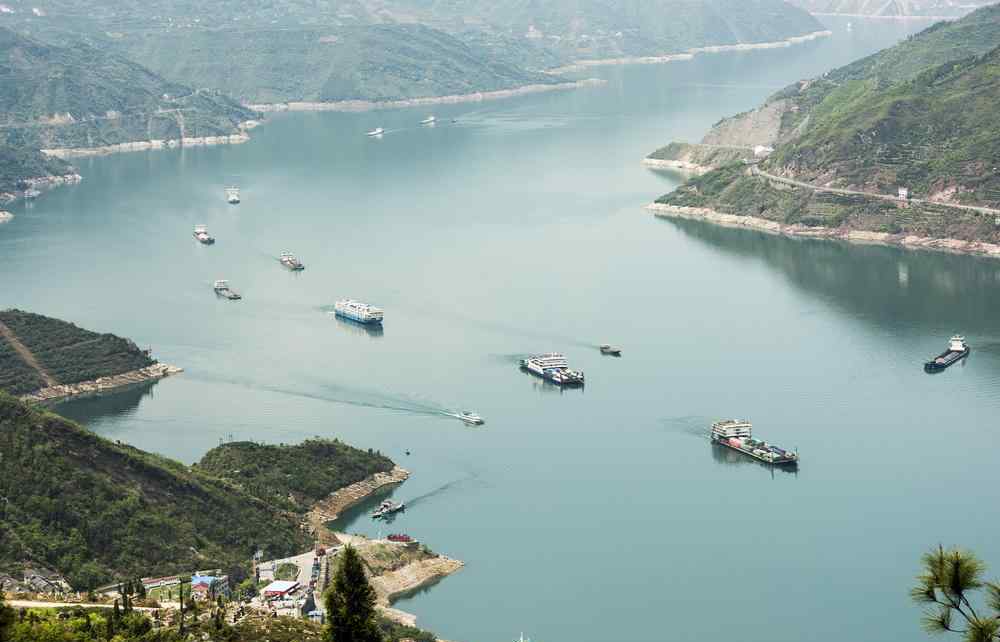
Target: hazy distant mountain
{"points": [[893, 8]]}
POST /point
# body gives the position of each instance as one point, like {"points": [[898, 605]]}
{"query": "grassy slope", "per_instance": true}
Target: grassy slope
{"points": [[308, 472], [69, 353], [97, 511]]}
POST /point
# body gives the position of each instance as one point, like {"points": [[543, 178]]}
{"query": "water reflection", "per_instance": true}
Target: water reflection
{"points": [[545, 386], [916, 290], [729, 457], [122, 402], [360, 329]]}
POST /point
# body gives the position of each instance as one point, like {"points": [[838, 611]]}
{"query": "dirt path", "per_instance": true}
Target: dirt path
{"points": [[32, 604], [756, 171], [25, 354]]}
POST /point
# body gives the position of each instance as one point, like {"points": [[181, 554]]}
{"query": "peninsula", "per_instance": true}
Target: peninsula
{"points": [[899, 147]]}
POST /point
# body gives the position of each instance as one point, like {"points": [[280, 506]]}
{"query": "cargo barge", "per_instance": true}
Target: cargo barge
{"points": [[738, 435], [223, 290], [553, 367], [957, 350]]}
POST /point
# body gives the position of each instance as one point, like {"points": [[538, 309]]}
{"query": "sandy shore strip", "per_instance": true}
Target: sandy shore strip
{"points": [[103, 384], [907, 241], [146, 145], [676, 165], [330, 508], [581, 65], [368, 105]]}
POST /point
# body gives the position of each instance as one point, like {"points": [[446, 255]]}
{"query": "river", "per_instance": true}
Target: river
{"points": [[514, 227]]}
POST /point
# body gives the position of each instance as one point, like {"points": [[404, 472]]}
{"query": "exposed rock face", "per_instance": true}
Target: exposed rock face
{"points": [[104, 384]]}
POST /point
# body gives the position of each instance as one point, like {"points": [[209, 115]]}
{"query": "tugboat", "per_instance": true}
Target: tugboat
{"points": [[222, 289], [552, 367], [957, 350], [471, 418], [201, 235], [611, 350], [378, 131], [233, 195], [386, 508], [290, 262], [737, 435]]}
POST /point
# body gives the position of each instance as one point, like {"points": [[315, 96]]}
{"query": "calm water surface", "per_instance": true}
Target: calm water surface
{"points": [[589, 515]]}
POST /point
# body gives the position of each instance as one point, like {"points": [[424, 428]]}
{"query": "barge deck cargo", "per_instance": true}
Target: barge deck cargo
{"points": [[738, 435]]}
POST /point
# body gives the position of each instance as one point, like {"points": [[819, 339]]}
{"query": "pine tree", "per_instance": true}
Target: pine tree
{"points": [[350, 604], [948, 587]]}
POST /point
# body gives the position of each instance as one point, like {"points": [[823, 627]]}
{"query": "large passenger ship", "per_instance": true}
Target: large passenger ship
{"points": [[553, 367], [738, 435], [358, 311]]}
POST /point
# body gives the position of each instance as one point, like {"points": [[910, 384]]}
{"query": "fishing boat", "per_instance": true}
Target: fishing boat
{"points": [[378, 131], [430, 120], [471, 418], [223, 290], [386, 508], [957, 350], [202, 236], [233, 195], [611, 350], [289, 261]]}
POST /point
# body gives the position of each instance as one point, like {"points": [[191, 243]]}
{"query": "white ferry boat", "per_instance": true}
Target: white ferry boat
{"points": [[202, 236], [358, 311], [553, 367], [430, 120], [378, 131], [233, 195]]}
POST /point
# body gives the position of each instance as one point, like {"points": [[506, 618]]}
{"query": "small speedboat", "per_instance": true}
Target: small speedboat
{"points": [[202, 236], [378, 131], [611, 350], [289, 261], [430, 120], [471, 418], [386, 508]]}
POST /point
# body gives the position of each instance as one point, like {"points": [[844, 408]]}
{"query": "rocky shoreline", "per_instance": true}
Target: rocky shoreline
{"points": [[581, 65], [676, 165], [330, 508], [369, 105], [237, 138], [907, 241], [103, 384]]}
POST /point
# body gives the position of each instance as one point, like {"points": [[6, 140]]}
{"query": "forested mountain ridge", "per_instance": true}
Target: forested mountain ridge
{"points": [[892, 8]]}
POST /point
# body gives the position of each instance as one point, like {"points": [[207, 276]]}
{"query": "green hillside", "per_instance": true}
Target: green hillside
{"points": [[294, 477], [66, 352], [96, 510], [380, 62], [919, 115]]}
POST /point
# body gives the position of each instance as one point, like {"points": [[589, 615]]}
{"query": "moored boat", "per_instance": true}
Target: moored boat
{"points": [[222, 289], [202, 236], [738, 435], [358, 311], [289, 261], [957, 350], [553, 367], [31, 193]]}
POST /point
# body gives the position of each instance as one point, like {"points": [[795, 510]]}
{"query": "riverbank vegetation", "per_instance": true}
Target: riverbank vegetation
{"points": [[293, 477], [65, 351]]}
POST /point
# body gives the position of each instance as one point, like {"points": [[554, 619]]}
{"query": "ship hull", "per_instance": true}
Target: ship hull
{"points": [[551, 379], [749, 453], [357, 319], [945, 360]]}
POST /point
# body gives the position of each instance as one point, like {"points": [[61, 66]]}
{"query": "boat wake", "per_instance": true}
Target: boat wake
{"points": [[439, 490], [693, 425]]}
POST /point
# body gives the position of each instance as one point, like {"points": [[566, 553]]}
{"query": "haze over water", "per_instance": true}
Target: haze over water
{"points": [[593, 515]]}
